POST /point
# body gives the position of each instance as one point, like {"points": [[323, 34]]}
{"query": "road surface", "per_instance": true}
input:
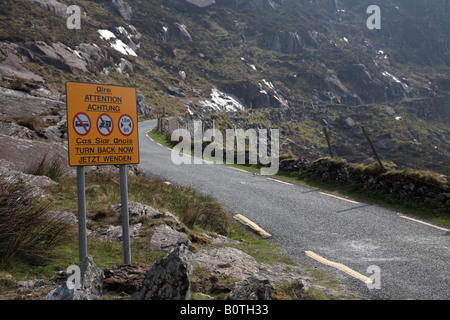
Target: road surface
{"points": [[408, 259]]}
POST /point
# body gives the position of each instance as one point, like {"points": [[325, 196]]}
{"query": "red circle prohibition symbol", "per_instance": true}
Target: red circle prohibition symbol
{"points": [[104, 124], [126, 125], [81, 124]]}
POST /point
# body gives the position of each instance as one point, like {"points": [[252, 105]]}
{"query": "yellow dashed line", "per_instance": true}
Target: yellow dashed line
{"points": [[279, 181], [251, 224], [331, 195], [339, 266], [427, 224]]}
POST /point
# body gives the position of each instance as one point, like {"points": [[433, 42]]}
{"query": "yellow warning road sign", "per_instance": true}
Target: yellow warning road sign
{"points": [[102, 124]]}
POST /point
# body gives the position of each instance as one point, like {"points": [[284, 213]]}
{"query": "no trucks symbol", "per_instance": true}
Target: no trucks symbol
{"points": [[126, 125], [82, 124], [104, 124]]}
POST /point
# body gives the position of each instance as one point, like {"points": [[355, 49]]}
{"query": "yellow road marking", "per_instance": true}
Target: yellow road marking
{"points": [[427, 224], [331, 195], [251, 224], [159, 144], [289, 184], [339, 266]]}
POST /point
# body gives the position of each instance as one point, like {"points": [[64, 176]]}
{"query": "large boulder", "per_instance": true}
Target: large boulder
{"points": [[91, 284], [183, 33], [18, 103], [56, 7], [123, 9], [169, 278]]}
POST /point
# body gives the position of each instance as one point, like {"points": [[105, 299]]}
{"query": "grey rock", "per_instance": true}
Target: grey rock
{"points": [[286, 42], [114, 233], [252, 288], [142, 108], [12, 67], [91, 284], [166, 239], [18, 131], [183, 32], [201, 3], [137, 210], [29, 285], [123, 8], [17, 103], [57, 55], [227, 261], [65, 216], [176, 91], [169, 278], [54, 6]]}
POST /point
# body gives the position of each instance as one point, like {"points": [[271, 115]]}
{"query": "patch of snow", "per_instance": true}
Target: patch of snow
{"points": [[221, 101], [115, 43], [387, 74], [269, 84], [106, 34]]}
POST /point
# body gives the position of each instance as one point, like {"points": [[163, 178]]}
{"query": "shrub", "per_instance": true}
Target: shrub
{"points": [[209, 216], [27, 230], [34, 123], [53, 167]]}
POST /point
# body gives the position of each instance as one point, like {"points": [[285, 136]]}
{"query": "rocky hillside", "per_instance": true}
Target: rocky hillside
{"points": [[296, 65]]}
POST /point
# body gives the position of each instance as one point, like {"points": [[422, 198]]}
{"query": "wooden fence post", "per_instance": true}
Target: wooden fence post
{"points": [[325, 131], [372, 147]]}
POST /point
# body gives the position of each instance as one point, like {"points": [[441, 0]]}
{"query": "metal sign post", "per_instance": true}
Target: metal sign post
{"points": [[82, 235], [125, 214]]}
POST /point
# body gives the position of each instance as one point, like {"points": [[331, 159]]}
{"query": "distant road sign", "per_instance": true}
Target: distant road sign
{"points": [[115, 140]]}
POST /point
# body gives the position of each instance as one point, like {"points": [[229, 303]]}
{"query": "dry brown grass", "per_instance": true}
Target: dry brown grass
{"points": [[27, 231]]}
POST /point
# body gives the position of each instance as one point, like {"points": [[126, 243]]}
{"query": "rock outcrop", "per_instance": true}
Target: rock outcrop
{"points": [[285, 42], [91, 286], [56, 7], [166, 239], [169, 278], [254, 96]]}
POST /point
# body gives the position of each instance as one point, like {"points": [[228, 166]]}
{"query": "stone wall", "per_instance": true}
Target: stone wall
{"points": [[414, 183]]}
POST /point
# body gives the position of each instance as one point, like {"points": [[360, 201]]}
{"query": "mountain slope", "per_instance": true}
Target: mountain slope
{"points": [[295, 65]]}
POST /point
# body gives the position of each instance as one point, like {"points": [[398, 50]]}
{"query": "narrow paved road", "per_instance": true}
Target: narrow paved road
{"points": [[413, 258]]}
